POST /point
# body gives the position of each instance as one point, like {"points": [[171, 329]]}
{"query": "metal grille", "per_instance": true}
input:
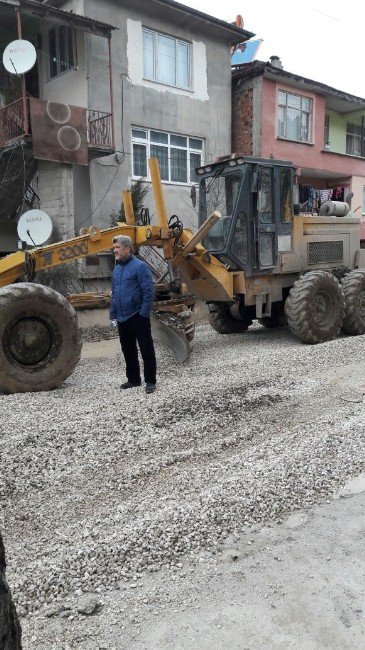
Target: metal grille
{"points": [[12, 121], [99, 128], [325, 251]]}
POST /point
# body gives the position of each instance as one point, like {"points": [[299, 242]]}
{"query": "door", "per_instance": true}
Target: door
{"points": [[265, 226]]}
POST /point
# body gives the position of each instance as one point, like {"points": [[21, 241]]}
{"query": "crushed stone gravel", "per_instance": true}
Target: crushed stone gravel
{"points": [[100, 489]]}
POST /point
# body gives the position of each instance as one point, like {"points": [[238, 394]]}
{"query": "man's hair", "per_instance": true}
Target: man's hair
{"points": [[123, 240]]}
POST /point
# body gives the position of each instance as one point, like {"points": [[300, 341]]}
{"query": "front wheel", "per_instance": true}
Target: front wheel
{"points": [[223, 322], [40, 338], [315, 307]]}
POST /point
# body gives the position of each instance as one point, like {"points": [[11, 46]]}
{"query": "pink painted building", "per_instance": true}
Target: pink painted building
{"points": [[280, 115]]}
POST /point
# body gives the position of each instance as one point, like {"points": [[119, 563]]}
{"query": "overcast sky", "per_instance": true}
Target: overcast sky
{"points": [[320, 39]]}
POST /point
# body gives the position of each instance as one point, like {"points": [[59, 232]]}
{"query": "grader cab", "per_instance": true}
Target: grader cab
{"points": [[252, 258]]}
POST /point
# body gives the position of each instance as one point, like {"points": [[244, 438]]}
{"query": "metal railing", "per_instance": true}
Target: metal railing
{"points": [[13, 120], [99, 129]]}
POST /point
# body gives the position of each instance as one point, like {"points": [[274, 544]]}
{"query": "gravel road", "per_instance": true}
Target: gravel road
{"points": [[110, 499]]}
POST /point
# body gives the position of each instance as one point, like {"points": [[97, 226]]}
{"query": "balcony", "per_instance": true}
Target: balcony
{"points": [[13, 119], [15, 124], [99, 130]]}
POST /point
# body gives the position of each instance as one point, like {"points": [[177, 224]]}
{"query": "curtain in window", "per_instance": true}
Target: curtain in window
{"points": [[71, 61], [139, 160], [162, 154], [179, 165], [195, 161], [166, 60], [293, 124], [52, 51], [148, 55], [182, 67], [63, 48]]}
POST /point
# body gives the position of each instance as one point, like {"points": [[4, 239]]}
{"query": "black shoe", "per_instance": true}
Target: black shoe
{"points": [[129, 384], [150, 388]]}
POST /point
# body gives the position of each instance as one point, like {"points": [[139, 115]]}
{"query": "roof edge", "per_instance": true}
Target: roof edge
{"points": [[263, 67], [234, 29]]}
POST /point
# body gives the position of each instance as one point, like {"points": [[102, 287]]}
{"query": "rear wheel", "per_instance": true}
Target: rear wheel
{"points": [[353, 286], [40, 338], [315, 307], [222, 320]]}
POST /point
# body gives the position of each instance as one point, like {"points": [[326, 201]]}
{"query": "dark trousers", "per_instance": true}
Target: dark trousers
{"points": [[138, 329]]}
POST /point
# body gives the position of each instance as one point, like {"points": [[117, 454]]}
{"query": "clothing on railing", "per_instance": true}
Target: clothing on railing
{"points": [[311, 198]]}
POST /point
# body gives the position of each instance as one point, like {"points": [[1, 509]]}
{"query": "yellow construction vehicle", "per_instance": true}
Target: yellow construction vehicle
{"points": [[254, 256]]}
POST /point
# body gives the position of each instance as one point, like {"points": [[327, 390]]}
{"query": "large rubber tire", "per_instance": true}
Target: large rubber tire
{"points": [[353, 287], [277, 318], [40, 338], [222, 321], [315, 307]]}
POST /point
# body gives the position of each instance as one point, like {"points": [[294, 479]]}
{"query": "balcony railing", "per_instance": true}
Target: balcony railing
{"points": [[14, 121], [99, 129]]}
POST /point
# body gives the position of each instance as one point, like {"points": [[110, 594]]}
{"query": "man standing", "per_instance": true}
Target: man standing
{"points": [[131, 302]]}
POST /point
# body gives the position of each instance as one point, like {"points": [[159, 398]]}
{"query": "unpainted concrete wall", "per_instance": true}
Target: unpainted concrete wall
{"points": [[204, 112]]}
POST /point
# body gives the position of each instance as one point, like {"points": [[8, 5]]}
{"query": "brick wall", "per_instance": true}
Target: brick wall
{"points": [[242, 121]]}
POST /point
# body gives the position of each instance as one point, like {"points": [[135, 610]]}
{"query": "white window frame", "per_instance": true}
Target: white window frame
{"points": [[363, 201], [154, 77], [147, 143], [72, 66], [355, 137], [301, 111]]}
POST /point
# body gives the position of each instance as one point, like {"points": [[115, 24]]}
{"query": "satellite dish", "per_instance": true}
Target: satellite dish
{"points": [[19, 57], [34, 227]]}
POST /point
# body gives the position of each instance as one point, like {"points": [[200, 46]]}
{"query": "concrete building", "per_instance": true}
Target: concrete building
{"points": [[168, 95], [50, 131], [172, 96], [277, 114]]}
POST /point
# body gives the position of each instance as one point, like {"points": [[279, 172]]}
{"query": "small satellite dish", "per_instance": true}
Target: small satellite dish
{"points": [[34, 227], [19, 57]]}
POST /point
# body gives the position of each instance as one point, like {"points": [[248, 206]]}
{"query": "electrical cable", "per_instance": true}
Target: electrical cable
{"points": [[100, 202]]}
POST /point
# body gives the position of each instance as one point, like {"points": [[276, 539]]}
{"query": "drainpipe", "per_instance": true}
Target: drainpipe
{"points": [[24, 92], [111, 89], [362, 137]]}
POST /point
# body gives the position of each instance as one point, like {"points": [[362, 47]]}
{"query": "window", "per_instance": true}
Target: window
{"points": [[178, 155], [295, 116], [285, 195], [61, 50], [166, 59], [355, 140], [326, 131]]}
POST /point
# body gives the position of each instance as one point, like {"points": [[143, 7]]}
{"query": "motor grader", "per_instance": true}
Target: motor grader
{"points": [[254, 256]]}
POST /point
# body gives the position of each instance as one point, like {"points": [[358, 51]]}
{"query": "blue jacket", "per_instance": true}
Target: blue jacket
{"points": [[132, 290]]}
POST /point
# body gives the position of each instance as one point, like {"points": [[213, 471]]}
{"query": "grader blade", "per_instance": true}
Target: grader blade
{"points": [[173, 332]]}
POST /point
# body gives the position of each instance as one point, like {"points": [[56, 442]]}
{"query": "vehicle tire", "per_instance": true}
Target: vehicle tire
{"points": [[315, 307], [222, 321], [40, 338], [277, 318], [353, 287]]}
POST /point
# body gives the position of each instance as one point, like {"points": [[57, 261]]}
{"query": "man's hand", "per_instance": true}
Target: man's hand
{"points": [[113, 323]]}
